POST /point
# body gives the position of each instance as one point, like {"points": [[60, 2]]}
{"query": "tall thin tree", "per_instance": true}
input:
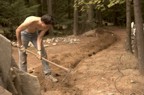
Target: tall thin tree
{"points": [[49, 7], [42, 7], [75, 27], [69, 9], [128, 25], [90, 12], [140, 33]]}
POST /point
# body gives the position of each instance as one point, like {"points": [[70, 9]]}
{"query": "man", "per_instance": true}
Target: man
{"points": [[33, 30]]}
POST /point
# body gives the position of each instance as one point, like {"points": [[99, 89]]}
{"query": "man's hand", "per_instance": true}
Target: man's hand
{"points": [[22, 48], [39, 54]]}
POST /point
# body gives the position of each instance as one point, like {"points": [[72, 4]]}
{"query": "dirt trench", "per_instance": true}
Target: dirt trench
{"points": [[112, 71], [70, 55], [100, 64]]}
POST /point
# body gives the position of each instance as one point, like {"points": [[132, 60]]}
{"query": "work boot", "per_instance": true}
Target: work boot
{"points": [[52, 78]]}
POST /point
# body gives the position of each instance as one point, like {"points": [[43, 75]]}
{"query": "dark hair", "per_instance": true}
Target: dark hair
{"points": [[47, 19]]}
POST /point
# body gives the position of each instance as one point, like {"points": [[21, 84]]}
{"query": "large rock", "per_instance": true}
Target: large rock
{"points": [[4, 91], [29, 84], [5, 58], [11, 78]]}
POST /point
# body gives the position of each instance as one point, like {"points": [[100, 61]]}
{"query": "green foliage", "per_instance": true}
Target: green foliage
{"points": [[115, 14], [61, 8], [13, 13], [114, 2], [99, 4]]}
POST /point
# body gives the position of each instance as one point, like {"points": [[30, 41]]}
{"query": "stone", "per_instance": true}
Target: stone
{"points": [[4, 91], [6, 58], [29, 84], [11, 78]]}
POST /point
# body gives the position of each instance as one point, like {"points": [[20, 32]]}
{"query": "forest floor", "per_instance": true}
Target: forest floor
{"points": [[100, 66]]}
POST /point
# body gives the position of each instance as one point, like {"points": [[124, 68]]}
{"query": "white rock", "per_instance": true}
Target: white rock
{"points": [[46, 45], [48, 40], [54, 44], [53, 39], [110, 94], [56, 40], [132, 81]]}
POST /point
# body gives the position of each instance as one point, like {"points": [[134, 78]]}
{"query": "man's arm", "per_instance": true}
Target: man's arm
{"points": [[23, 26], [39, 39]]}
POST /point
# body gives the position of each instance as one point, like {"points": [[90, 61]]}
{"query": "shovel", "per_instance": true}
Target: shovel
{"points": [[64, 68], [59, 66]]}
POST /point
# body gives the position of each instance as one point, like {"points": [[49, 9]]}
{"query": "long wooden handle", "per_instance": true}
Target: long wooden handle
{"points": [[64, 68]]}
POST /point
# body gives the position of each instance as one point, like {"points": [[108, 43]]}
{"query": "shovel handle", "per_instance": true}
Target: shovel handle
{"points": [[64, 68]]}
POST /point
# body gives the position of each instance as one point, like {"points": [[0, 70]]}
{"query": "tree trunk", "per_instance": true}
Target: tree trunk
{"points": [[140, 33], [90, 13], [128, 26], [49, 7], [98, 18], [42, 7], [135, 47], [75, 27], [69, 9]]}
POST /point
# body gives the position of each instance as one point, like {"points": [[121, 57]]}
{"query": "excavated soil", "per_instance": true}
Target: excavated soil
{"points": [[99, 66]]}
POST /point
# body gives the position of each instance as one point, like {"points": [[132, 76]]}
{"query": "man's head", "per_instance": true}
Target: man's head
{"points": [[47, 19]]}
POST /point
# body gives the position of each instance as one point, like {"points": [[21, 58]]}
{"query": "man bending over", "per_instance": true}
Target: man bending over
{"points": [[33, 30]]}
